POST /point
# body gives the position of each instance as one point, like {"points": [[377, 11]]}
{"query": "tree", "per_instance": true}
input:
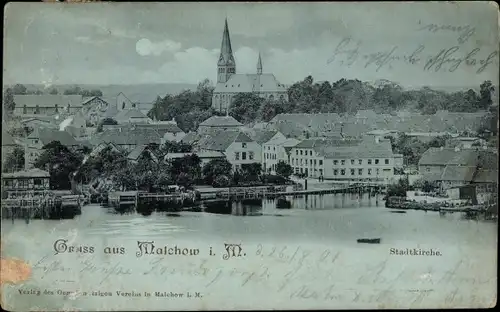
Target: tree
{"points": [[175, 147], [283, 169], [75, 90], [252, 171], [439, 141], [19, 89], [215, 168], [14, 160], [398, 189], [61, 163], [486, 88], [245, 107], [53, 91], [8, 101]]}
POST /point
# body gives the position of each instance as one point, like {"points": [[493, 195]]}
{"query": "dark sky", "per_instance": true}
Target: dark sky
{"points": [[128, 43]]}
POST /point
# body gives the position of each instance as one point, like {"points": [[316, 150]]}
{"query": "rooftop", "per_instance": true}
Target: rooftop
{"points": [[61, 101], [221, 121]]}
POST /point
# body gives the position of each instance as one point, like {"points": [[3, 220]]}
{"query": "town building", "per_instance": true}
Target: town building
{"points": [[215, 124], [32, 181], [238, 147], [9, 144], [37, 139], [132, 115], [127, 138], [229, 83], [140, 151], [275, 150], [46, 105], [167, 130], [352, 160]]}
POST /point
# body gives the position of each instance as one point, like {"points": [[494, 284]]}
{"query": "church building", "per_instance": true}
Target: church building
{"points": [[229, 83]]}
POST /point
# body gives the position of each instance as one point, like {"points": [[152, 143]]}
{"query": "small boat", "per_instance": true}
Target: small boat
{"points": [[369, 240], [398, 211]]}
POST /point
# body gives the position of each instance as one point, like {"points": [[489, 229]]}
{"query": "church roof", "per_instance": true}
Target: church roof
{"points": [[221, 121], [250, 83]]}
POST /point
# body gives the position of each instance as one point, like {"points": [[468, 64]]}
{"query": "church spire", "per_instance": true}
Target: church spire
{"points": [[259, 66], [226, 51], [226, 66]]}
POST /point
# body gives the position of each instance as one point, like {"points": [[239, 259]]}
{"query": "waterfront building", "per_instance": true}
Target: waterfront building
{"points": [[46, 105], [229, 83], [345, 159], [238, 147], [275, 150], [31, 181]]}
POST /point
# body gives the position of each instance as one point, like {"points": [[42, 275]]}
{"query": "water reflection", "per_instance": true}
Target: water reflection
{"points": [[259, 207]]}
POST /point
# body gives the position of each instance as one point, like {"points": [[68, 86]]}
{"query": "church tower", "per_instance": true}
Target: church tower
{"points": [[226, 66], [259, 66]]}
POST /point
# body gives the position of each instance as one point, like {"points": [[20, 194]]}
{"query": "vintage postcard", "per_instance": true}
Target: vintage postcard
{"points": [[249, 156]]}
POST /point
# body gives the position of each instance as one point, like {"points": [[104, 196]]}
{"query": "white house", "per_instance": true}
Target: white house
{"points": [[238, 147], [275, 150]]}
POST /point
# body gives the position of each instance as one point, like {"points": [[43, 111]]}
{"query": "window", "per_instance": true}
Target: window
{"points": [[250, 155], [133, 105], [301, 152], [360, 171], [37, 181], [387, 161], [335, 162], [342, 162], [369, 171], [352, 161], [310, 153], [296, 152], [310, 162], [352, 172], [315, 162], [376, 161], [237, 155], [378, 171], [296, 169], [25, 109], [335, 172], [56, 108], [360, 161], [123, 105], [321, 162], [37, 109], [369, 161], [244, 145], [342, 171], [243, 155]]}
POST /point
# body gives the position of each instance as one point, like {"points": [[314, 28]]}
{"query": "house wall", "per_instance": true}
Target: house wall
{"points": [[42, 111], [306, 160], [360, 168], [243, 153]]}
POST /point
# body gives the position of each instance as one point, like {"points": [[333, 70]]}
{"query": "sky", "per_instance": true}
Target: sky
{"points": [[136, 43]]}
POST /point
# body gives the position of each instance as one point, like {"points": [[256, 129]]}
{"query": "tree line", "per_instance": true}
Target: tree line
{"points": [[190, 108], [149, 172]]}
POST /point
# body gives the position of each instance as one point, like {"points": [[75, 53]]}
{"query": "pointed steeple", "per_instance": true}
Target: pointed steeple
{"points": [[226, 51], [259, 66], [226, 66]]}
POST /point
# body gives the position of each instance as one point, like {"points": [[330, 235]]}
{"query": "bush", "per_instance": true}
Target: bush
{"points": [[221, 181], [273, 179]]}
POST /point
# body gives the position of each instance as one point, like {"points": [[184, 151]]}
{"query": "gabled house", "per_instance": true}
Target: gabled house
{"points": [[238, 147], [141, 150], [36, 140], [132, 115]]}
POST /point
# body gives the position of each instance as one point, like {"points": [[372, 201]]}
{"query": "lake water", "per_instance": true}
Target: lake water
{"points": [[322, 225]]}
